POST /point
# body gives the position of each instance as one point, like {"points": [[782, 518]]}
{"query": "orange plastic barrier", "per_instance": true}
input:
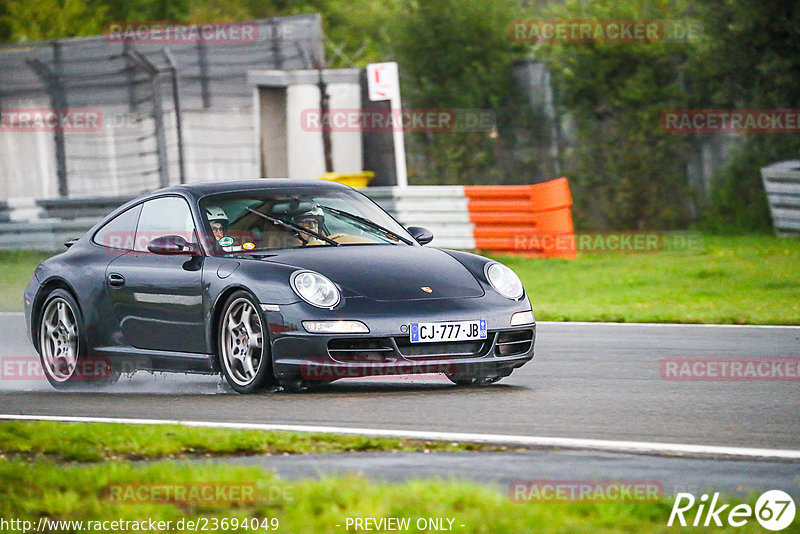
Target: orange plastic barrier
{"points": [[532, 220]]}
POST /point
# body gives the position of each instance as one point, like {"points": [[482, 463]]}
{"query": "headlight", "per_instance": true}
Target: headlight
{"points": [[504, 280], [315, 289]]}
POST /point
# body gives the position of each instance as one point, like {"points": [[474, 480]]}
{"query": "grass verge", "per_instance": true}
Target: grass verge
{"points": [[93, 442], [161, 492], [729, 280], [16, 269]]}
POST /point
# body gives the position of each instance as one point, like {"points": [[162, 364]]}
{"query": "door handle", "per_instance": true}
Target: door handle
{"points": [[116, 280]]}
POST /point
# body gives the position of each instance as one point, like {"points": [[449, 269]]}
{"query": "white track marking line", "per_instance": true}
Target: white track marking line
{"points": [[531, 441], [688, 325]]}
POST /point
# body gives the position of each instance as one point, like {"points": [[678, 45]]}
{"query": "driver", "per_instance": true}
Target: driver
{"points": [[312, 220]]}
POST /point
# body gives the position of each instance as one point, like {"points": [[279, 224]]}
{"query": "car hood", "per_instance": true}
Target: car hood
{"points": [[387, 272]]}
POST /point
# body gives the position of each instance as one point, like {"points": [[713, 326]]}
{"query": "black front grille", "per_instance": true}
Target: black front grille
{"points": [[445, 349], [362, 350], [513, 343]]}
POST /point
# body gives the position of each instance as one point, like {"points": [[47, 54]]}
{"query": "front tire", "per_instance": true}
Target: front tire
{"points": [[243, 345]]}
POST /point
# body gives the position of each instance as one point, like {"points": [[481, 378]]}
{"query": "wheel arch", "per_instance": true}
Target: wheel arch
{"points": [[38, 303], [216, 315]]}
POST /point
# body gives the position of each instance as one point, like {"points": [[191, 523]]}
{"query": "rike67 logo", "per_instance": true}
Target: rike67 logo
{"points": [[774, 510]]}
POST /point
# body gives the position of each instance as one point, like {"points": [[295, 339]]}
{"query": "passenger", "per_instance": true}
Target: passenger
{"points": [[219, 226]]}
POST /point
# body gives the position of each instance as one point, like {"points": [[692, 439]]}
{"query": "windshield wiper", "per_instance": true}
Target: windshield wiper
{"points": [[369, 223], [286, 225]]}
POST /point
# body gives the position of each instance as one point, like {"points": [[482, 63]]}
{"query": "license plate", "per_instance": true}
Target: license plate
{"points": [[448, 331]]}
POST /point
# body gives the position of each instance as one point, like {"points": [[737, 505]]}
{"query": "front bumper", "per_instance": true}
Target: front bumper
{"points": [[386, 350]]}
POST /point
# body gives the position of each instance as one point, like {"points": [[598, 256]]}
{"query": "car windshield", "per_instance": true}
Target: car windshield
{"points": [[254, 221]]}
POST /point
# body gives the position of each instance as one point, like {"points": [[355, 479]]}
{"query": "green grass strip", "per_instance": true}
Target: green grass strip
{"points": [[727, 280], [92, 492], [94, 442]]}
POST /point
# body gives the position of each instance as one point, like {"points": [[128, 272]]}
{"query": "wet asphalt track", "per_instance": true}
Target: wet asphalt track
{"points": [[591, 381], [587, 381], [502, 469]]}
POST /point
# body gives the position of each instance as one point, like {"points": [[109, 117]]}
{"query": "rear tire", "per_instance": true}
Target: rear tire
{"points": [[243, 345], [62, 346]]}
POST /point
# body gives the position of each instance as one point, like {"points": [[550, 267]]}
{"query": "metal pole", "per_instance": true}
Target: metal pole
{"points": [[129, 78], [556, 125], [327, 145], [158, 115], [58, 103], [275, 43], [161, 140], [202, 58], [178, 113]]}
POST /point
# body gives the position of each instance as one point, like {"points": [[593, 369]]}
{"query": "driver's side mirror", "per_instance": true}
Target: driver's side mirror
{"points": [[170, 245], [422, 235]]}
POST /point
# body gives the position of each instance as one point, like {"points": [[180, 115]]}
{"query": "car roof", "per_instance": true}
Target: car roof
{"points": [[207, 188]]}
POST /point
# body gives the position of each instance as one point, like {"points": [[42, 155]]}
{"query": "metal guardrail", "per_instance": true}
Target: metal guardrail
{"points": [[782, 184], [47, 236], [450, 212], [70, 209], [46, 224], [440, 209], [28, 224]]}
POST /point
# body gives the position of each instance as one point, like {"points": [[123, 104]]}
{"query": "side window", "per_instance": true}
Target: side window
{"points": [[164, 216], [119, 232]]}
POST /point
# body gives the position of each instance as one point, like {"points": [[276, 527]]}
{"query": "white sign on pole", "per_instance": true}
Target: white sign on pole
{"points": [[383, 83]]}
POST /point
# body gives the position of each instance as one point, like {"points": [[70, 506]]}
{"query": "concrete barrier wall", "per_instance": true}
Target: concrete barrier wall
{"points": [[782, 184], [441, 209], [456, 215]]}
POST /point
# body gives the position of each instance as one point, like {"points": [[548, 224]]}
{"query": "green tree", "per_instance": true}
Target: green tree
{"points": [[40, 20], [457, 54], [5, 26], [626, 172], [145, 10], [749, 59]]}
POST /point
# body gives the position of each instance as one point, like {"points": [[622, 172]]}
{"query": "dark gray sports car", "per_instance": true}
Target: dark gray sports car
{"points": [[272, 282]]}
